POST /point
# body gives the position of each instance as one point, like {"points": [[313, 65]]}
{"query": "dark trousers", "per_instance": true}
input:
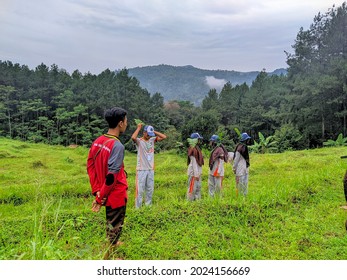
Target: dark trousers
{"points": [[115, 220]]}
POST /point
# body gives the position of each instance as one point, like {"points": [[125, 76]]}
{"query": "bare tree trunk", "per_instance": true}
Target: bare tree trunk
{"points": [[344, 120], [323, 126], [9, 123]]}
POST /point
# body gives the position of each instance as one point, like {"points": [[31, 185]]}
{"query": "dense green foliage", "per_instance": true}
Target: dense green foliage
{"points": [[302, 109], [291, 213], [49, 105]]}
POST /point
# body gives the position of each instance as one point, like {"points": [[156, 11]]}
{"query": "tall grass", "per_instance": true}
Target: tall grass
{"points": [[292, 210]]}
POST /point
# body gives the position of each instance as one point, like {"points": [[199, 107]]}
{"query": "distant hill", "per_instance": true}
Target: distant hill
{"points": [[187, 82]]}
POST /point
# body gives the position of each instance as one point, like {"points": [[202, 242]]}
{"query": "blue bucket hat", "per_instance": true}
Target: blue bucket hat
{"points": [[214, 138], [196, 135], [244, 137], [149, 129]]}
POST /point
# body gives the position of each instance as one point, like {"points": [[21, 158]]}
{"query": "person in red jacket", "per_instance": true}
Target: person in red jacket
{"points": [[105, 167]]}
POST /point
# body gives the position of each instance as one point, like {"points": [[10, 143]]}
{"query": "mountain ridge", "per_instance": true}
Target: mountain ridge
{"points": [[189, 83]]}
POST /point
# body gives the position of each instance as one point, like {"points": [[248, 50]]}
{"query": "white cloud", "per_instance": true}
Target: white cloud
{"points": [[92, 35], [215, 83]]}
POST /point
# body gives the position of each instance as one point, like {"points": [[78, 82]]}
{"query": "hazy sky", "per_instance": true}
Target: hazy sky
{"points": [[93, 35]]}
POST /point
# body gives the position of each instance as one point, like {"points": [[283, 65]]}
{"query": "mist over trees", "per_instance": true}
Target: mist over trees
{"points": [[299, 110], [189, 83]]}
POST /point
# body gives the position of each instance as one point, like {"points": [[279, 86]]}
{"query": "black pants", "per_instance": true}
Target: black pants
{"points": [[115, 220], [345, 185]]}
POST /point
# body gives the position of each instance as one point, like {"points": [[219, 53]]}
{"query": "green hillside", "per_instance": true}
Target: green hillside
{"points": [[189, 83], [292, 211]]}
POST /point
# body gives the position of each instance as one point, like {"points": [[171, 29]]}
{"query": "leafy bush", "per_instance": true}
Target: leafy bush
{"points": [[171, 142], [288, 138], [340, 141], [265, 145]]}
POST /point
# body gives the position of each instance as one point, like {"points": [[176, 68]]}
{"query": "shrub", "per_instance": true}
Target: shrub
{"points": [[340, 141], [288, 137], [265, 145]]}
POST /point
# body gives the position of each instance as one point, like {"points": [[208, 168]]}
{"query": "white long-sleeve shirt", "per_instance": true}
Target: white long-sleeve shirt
{"points": [[218, 168], [194, 169], [240, 165]]}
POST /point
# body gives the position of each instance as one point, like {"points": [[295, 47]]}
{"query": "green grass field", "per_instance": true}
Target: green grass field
{"points": [[291, 213]]}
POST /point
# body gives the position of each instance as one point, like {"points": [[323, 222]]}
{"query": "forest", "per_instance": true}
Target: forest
{"points": [[188, 82], [301, 110]]}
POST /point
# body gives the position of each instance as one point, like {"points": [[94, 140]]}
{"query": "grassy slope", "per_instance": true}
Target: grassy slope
{"points": [[292, 211]]}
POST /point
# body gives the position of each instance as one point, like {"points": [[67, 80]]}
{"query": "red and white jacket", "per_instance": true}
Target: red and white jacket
{"points": [[105, 167]]}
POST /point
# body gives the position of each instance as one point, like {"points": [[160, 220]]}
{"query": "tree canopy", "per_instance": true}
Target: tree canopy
{"points": [[302, 109]]}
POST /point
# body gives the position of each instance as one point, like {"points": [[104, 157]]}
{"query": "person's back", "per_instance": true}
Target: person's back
{"points": [[217, 167], [195, 161], [106, 173], [241, 164], [107, 156], [218, 156]]}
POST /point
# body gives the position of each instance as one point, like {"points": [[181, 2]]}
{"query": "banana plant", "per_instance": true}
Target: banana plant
{"points": [[340, 141], [265, 145]]}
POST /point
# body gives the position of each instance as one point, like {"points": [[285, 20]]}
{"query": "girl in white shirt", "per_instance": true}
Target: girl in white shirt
{"points": [[241, 165]]}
